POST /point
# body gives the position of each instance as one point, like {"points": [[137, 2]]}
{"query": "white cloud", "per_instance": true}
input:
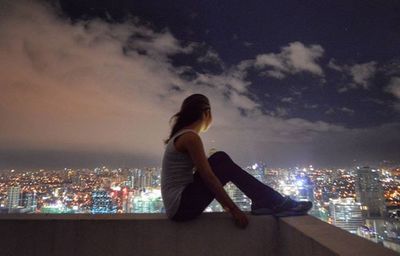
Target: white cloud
{"points": [[310, 106], [333, 110], [361, 73], [294, 58], [329, 111], [342, 89], [248, 44], [210, 56], [347, 110], [334, 66], [394, 87], [287, 99], [280, 111]]}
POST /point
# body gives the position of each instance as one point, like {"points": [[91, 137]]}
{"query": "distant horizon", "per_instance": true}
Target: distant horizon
{"points": [[130, 163]]}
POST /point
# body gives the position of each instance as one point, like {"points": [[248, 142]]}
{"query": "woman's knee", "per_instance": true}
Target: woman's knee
{"points": [[220, 155], [220, 161]]}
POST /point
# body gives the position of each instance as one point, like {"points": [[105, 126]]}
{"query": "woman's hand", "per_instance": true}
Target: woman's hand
{"points": [[239, 217]]}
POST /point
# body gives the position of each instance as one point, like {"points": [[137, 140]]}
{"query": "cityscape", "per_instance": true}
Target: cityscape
{"points": [[362, 200]]}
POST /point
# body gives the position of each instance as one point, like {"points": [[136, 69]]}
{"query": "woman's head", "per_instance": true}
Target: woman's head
{"points": [[194, 108]]}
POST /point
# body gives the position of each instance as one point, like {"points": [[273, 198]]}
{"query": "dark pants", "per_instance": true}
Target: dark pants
{"points": [[196, 196]]}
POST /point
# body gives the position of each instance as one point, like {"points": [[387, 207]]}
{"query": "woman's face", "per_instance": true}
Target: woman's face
{"points": [[207, 118]]}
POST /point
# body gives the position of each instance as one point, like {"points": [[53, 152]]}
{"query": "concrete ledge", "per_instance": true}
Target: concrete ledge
{"points": [[307, 235], [154, 234], [135, 234]]}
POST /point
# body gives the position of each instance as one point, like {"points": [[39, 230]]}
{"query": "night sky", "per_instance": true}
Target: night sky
{"points": [[90, 83]]}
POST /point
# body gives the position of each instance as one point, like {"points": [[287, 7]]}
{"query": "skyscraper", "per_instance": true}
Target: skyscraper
{"points": [[131, 181], [13, 197], [305, 189], [346, 213], [369, 192], [238, 197], [102, 202], [29, 201]]}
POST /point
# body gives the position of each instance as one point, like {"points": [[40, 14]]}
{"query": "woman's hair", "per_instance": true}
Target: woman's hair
{"points": [[191, 110]]}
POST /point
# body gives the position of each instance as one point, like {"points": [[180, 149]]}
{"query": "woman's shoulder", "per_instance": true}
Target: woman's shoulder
{"points": [[186, 131], [185, 139]]}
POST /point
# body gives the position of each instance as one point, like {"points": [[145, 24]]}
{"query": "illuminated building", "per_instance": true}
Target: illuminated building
{"points": [[346, 214], [13, 197], [238, 197], [369, 192], [29, 201], [102, 202], [56, 208], [257, 171], [128, 202], [131, 181], [305, 189], [147, 202]]}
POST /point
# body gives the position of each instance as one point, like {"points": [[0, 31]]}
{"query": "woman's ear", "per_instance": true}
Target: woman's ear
{"points": [[207, 113]]}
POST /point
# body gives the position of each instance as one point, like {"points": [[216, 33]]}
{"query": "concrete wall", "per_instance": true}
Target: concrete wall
{"points": [[154, 234], [306, 235]]}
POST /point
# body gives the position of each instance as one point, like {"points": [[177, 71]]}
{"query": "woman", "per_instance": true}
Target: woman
{"points": [[186, 194]]}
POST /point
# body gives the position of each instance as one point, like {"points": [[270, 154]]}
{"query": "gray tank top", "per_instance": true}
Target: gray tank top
{"points": [[177, 172]]}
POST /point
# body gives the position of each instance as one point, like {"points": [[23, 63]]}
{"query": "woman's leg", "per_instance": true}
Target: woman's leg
{"points": [[196, 196]]}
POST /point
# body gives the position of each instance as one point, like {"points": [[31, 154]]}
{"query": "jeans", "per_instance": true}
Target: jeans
{"points": [[197, 196]]}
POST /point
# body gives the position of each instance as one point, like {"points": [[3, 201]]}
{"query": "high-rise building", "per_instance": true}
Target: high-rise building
{"points": [[148, 178], [305, 189], [102, 202], [346, 214], [238, 197], [147, 202], [29, 201], [131, 181], [369, 192], [14, 195]]}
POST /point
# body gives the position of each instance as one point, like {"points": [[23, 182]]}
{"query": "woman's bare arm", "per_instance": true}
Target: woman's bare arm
{"points": [[194, 146]]}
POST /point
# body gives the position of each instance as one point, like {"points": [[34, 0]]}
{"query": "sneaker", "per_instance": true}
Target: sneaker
{"points": [[290, 207]]}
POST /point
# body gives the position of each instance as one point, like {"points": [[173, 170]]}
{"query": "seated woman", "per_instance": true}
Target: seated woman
{"points": [[186, 193]]}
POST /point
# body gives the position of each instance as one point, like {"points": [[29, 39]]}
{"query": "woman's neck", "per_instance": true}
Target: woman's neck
{"points": [[197, 126]]}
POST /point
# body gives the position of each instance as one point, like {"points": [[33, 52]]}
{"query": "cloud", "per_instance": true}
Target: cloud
{"points": [[332, 110], [248, 44], [294, 58], [210, 56], [310, 106], [287, 99], [359, 73], [334, 66], [280, 111], [329, 111], [394, 88], [104, 92], [347, 110]]}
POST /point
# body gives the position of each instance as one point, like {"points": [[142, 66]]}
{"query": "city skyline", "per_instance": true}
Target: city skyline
{"points": [[363, 201], [291, 83]]}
